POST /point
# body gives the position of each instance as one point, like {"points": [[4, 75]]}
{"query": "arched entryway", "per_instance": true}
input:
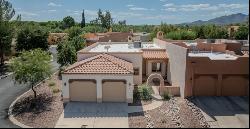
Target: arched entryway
{"points": [[155, 77]]}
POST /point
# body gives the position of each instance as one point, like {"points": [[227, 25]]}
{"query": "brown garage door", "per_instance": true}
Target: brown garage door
{"points": [[83, 90], [113, 91], [205, 85], [234, 86]]}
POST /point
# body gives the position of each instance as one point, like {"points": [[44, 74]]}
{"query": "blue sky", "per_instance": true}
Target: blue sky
{"points": [[133, 11]]}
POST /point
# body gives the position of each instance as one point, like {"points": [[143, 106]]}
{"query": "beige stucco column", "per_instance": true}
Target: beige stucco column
{"points": [[99, 90], [129, 90]]}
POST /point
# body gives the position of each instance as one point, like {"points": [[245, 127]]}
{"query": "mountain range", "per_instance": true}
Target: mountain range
{"points": [[223, 20]]}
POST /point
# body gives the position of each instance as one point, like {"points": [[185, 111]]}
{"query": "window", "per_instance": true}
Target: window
{"points": [[136, 71], [156, 67]]}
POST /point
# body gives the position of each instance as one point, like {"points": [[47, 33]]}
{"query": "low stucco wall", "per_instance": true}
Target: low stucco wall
{"points": [[98, 78], [172, 90]]}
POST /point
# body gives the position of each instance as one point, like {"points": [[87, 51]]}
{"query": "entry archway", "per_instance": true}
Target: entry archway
{"points": [[155, 76]]}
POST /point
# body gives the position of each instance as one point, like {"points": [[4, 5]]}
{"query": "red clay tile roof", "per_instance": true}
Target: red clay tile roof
{"points": [[155, 54], [101, 64]]}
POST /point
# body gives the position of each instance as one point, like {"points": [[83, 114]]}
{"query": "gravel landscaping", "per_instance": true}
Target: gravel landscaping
{"points": [[49, 105], [175, 113]]}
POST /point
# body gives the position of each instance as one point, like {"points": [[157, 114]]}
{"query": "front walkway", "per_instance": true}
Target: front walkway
{"points": [[94, 115]]}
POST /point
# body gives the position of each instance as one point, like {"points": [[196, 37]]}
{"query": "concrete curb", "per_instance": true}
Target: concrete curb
{"points": [[11, 117]]}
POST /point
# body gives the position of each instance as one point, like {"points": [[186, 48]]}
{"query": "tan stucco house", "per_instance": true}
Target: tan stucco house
{"points": [[110, 71]]}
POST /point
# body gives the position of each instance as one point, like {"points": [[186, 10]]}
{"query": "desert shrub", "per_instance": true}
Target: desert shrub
{"points": [[52, 83], [55, 90], [145, 92], [167, 96]]}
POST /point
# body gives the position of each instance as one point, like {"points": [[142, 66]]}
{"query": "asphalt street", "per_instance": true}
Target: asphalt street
{"points": [[9, 91]]}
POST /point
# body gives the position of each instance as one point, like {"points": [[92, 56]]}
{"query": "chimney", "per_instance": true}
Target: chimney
{"points": [[160, 35]]}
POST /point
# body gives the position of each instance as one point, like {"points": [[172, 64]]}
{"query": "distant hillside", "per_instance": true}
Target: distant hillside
{"points": [[223, 20]]}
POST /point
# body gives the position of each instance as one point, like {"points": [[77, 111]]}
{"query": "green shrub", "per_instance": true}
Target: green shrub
{"points": [[181, 35], [55, 90], [51, 83], [167, 96], [145, 92]]}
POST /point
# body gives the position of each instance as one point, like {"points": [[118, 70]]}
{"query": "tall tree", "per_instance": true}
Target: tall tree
{"points": [[31, 67], [108, 20], [122, 23], [32, 37], [5, 39], [78, 42], [6, 13], [66, 53], [68, 22], [242, 33], [19, 17], [6, 10], [83, 19], [74, 31]]}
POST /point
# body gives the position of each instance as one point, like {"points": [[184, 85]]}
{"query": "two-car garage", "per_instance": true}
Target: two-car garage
{"points": [[102, 78], [86, 90]]}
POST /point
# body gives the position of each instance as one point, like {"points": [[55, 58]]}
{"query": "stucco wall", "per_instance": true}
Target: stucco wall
{"points": [[176, 69], [98, 78], [134, 58], [172, 90]]}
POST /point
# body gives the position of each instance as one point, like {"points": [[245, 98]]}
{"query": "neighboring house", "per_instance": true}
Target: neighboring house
{"points": [[55, 38], [110, 71], [92, 38], [143, 37]]}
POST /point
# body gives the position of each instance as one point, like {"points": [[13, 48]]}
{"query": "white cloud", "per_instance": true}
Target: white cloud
{"points": [[54, 4], [168, 5], [191, 7], [231, 6], [163, 0], [194, 7], [141, 9], [130, 5], [170, 9]]}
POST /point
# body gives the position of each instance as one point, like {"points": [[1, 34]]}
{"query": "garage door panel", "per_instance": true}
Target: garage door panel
{"points": [[83, 91], [114, 91], [205, 86], [234, 86]]}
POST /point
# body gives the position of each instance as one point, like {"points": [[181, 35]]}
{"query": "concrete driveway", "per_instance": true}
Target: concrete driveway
{"points": [[94, 115], [225, 112]]}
